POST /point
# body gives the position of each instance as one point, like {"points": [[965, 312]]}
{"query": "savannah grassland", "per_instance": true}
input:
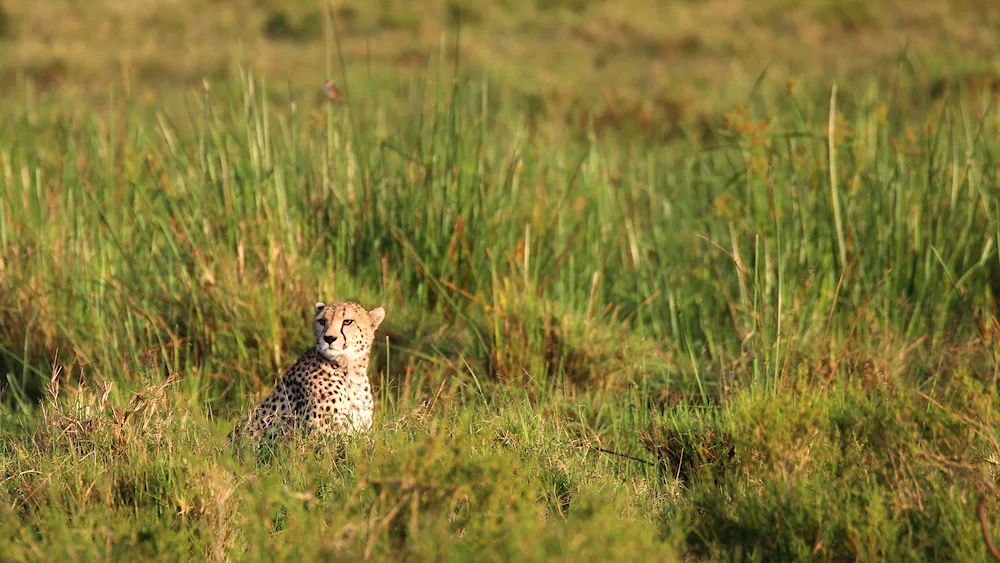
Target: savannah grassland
{"points": [[655, 290]]}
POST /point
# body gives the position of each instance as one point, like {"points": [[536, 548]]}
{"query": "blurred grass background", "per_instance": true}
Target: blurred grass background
{"points": [[654, 61], [656, 288]]}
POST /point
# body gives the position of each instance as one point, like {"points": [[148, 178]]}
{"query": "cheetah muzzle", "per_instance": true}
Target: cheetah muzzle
{"points": [[327, 390]]}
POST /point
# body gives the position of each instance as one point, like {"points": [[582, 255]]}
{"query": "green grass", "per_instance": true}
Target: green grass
{"points": [[741, 345]]}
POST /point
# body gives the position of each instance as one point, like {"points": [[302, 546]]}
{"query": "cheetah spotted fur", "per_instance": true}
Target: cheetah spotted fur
{"points": [[327, 390]]}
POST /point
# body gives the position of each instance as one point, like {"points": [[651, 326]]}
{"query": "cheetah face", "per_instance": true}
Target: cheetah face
{"points": [[345, 330]]}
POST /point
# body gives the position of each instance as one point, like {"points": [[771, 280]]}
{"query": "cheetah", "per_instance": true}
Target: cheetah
{"points": [[327, 390]]}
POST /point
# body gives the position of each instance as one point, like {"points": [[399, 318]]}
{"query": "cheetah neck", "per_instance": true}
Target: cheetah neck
{"points": [[353, 366]]}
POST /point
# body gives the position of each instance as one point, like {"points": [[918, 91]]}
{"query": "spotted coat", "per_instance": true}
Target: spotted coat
{"points": [[327, 390]]}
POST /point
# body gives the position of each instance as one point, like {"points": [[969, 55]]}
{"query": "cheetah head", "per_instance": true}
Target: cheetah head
{"points": [[345, 330]]}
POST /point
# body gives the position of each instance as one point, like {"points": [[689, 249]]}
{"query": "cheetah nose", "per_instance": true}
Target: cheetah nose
{"points": [[329, 339]]}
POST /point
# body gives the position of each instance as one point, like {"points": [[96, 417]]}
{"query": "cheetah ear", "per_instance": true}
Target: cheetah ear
{"points": [[377, 315], [320, 306]]}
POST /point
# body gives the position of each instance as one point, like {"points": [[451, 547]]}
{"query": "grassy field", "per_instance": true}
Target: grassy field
{"points": [[652, 63], [769, 333]]}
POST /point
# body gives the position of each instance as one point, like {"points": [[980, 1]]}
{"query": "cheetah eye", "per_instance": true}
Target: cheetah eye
{"points": [[348, 322], [322, 322]]}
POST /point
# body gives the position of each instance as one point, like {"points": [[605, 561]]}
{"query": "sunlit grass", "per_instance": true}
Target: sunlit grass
{"points": [[597, 348]]}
